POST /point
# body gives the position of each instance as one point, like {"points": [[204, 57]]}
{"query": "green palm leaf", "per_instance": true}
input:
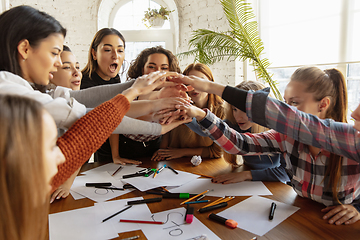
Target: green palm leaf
{"points": [[241, 42]]}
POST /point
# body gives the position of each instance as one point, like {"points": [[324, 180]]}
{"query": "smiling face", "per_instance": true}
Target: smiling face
{"points": [[295, 95], [39, 63], [200, 98], [68, 74], [156, 62], [109, 55], [52, 153]]}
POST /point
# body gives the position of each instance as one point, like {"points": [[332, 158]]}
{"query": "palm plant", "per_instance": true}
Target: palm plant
{"points": [[241, 42]]}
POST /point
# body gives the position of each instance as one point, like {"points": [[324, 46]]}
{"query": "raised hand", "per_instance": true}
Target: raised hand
{"points": [[147, 83]]}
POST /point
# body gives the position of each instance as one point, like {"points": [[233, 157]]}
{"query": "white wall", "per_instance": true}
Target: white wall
{"points": [[81, 20]]}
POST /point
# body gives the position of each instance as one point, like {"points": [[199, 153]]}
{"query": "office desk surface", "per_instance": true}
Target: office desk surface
{"points": [[306, 223]]}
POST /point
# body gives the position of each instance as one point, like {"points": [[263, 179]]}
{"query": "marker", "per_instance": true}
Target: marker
{"points": [[140, 221], [172, 169], [143, 170], [133, 175], [104, 184], [127, 186], [272, 211], [120, 167], [116, 213], [149, 200], [151, 172], [210, 208], [228, 222], [189, 215], [202, 201]]}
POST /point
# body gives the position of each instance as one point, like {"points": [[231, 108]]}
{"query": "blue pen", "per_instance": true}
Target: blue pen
{"points": [[202, 201], [161, 168]]}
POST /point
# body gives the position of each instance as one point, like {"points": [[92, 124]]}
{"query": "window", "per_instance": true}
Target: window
{"points": [[126, 16], [322, 33]]}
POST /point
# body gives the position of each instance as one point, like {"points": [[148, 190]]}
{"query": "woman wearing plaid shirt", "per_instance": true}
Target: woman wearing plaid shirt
{"points": [[315, 173]]}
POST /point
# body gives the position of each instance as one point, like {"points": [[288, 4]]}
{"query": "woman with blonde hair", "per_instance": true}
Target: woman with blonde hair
{"points": [[269, 167], [182, 141], [303, 138]]}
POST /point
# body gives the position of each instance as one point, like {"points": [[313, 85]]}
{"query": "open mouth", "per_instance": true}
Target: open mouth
{"points": [[76, 83], [113, 67]]}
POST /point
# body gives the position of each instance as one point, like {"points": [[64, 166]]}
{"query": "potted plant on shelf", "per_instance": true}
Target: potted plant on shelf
{"points": [[156, 17]]}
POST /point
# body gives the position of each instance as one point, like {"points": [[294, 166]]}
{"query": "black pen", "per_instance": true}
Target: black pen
{"points": [[272, 211], [104, 184], [172, 169], [117, 213], [111, 188], [149, 200]]}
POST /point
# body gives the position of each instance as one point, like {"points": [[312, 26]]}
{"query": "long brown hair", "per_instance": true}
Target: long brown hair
{"points": [[215, 103], [92, 64], [328, 83], [229, 115], [137, 65], [23, 202]]}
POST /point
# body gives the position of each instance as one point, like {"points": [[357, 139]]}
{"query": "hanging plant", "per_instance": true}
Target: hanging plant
{"points": [[156, 17]]}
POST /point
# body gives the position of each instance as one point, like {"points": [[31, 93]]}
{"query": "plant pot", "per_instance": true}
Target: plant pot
{"points": [[156, 22]]}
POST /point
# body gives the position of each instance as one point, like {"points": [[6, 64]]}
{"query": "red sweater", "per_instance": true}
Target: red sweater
{"points": [[87, 135]]}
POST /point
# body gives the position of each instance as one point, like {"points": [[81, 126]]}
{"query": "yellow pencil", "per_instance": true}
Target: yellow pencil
{"points": [[214, 202], [194, 197], [228, 199], [165, 189]]}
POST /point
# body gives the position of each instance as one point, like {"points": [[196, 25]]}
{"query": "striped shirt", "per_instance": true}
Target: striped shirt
{"points": [[308, 173]]}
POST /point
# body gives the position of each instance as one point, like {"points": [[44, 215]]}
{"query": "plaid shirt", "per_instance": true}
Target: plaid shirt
{"points": [[308, 173]]}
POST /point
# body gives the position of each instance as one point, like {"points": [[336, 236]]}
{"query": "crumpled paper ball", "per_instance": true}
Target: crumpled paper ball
{"points": [[196, 160]]}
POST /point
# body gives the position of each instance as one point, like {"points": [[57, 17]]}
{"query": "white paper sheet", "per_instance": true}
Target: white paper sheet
{"points": [[139, 211], [175, 227], [112, 167], [76, 195], [165, 178], [83, 223], [252, 214], [246, 188], [97, 194]]}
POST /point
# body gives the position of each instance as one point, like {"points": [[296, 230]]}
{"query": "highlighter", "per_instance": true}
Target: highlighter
{"points": [[228, 222], [189, 215]]}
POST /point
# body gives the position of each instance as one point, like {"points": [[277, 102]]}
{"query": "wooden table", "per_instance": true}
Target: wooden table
{"points": [[306, 223]]}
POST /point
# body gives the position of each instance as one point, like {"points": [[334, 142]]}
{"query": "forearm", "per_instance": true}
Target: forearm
{"points": [[140, 108], [135, 126], [276, 174], [93, 129], [237, 143], [92, 97], [189, 152], [114, 144]]}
